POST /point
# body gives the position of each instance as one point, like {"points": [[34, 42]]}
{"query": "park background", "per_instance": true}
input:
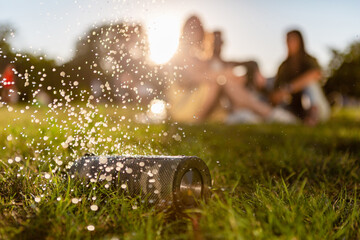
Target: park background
{"points": [[270, 181]]}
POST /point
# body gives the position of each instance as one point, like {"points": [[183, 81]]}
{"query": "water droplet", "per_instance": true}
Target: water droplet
{"points": [[64, 144], [177, 137], [90, 228], [94, 207], [103, 160]]}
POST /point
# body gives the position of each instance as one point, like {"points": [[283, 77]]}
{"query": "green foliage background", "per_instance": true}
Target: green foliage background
{"points": [[345, 72]]}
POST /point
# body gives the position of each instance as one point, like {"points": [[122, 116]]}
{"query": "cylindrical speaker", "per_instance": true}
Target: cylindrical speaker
{"points": [[166, 181]]}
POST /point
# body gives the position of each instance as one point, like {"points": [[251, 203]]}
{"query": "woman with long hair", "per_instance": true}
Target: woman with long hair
{"points": [[297, 83]]}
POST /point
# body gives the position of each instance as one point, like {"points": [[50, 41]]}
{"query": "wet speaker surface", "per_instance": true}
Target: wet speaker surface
{"points": [[165, 181]]}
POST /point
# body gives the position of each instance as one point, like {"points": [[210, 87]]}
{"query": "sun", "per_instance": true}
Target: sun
{"points": [[163, 33]]}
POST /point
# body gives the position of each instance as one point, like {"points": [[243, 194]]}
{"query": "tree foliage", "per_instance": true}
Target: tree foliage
{"points": [[345, 72], [115, 57], [33, 73], [111, 58]]}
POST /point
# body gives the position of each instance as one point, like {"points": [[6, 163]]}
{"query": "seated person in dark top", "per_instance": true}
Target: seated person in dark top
{"points": [[297, 83]]}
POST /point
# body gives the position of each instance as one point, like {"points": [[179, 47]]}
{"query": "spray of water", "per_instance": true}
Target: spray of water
{"points": [[98, 102]]}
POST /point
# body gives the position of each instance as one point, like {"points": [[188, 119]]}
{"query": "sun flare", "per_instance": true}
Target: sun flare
{"points": [[163, 33]]}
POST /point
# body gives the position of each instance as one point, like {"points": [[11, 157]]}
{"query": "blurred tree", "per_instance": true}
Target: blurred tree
{"points": [[345, 72], [33, 74], [111, 61], [6, 53]]}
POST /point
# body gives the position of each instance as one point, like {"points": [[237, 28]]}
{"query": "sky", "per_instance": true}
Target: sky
{"points": [[252, 29]]}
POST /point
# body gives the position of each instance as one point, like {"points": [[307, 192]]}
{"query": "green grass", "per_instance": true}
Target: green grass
{"points": [[270, 181]]}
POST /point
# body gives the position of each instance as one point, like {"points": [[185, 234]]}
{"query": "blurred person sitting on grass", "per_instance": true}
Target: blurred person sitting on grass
{"points": [[255, 82], [196, 86], [254, 78], [297, 85]]}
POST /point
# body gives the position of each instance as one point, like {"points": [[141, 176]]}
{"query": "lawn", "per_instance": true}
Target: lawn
{"points": [[269, 181]]}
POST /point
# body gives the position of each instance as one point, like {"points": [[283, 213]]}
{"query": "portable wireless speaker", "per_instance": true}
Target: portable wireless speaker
{"points": [[166, 181]]}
